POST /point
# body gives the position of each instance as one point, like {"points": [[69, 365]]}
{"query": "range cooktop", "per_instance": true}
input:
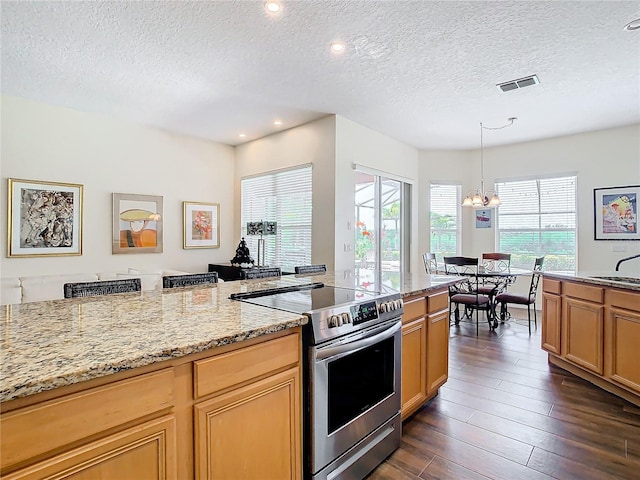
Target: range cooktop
{"points": [[306, 298], [333, 311]]}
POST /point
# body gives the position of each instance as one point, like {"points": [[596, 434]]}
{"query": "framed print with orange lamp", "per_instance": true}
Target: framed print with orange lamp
{"points": [[137, 223]]}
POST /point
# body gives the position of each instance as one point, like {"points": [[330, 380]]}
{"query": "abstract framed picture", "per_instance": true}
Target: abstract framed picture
{"points": [[201, 225], [137, 223], [44, 218], [616, 213]]}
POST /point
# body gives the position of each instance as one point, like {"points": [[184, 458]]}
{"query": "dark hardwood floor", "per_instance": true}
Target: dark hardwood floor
{"points": [[506, 414]]}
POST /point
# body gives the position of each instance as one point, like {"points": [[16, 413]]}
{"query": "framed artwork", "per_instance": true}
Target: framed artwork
{"points": [[483, 218], [137, 223], [201, 225], [615, 211], [44, 218]]}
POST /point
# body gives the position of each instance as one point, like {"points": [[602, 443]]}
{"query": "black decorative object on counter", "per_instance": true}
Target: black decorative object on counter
{"points": [[243, 256]]}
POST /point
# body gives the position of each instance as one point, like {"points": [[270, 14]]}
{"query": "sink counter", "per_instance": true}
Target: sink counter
{"points": [[602, 278]]}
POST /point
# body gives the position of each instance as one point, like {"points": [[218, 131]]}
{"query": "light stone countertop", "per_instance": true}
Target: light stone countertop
{"points": [[622, 280], [46, 345]]}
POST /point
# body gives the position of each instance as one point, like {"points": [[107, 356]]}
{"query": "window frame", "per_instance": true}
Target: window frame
{"points": [[540, 213], [276, 252], [458, 218]]}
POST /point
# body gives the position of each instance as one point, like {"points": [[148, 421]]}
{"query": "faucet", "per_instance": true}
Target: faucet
{"points": [[625, 259]]}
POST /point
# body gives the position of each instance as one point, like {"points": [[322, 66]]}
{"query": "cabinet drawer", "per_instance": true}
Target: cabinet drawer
{"points": [[628, 300], [239, 366], [438, 301], [414, 308], [584, 292], [551, 286], [35, 430]]}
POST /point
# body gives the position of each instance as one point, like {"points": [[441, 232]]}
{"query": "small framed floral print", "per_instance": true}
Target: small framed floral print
{"points": [[201, 225]]}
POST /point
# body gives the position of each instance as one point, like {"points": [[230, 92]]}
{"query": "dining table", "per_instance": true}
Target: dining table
{"points": [[501, 279]]}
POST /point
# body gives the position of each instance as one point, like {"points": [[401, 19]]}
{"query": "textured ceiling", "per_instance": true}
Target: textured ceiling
{"points": [[423, 72]]}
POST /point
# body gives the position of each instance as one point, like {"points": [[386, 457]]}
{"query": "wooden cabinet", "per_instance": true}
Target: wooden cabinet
{"points": [[251, 427], [252, 432], [622, 329], [144, 452], [595, 334], [232, 412], [425, 348], [414, 356], [583, 334], [437, 341], [583, 326], [551, 315], [45, 428]]}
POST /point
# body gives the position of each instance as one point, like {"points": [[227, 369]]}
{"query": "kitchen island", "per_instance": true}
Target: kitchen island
{"points": [[591, 327], [151, 383]]}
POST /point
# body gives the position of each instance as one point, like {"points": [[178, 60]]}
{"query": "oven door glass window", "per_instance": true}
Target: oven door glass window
{"points": [[359, 381]]}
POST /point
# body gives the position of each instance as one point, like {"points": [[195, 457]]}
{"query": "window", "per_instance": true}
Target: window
{"points": [[538, 217], [445, 212], [382, 229], [283, 197]]}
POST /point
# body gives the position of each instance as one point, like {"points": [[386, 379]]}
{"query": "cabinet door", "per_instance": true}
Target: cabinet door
{"points": [[551, 323], [437, 351], [253, 432], [583, 332], [144, 452], [414, 377], [623, 332]]}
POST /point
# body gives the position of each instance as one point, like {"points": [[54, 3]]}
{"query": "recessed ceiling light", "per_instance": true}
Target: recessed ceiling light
{"points": [[633, 25], [337, 47], [242, 135], [272, 6], [277, 123]]}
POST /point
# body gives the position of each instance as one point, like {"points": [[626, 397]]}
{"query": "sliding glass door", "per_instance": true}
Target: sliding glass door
{"points": [[381, 229]]}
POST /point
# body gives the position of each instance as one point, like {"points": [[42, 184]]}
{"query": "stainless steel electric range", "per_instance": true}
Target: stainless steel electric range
{"points": [[351, 375]]}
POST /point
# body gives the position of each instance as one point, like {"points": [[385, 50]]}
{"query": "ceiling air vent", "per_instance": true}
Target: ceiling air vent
{"points": [[519, 83]]}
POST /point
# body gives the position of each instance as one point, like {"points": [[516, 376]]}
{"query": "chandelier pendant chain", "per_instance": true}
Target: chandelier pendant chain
{"points": [[481, 198], [481, 162]]}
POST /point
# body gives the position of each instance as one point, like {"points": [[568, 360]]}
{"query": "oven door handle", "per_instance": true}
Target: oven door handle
{"points": [[358, 344]]}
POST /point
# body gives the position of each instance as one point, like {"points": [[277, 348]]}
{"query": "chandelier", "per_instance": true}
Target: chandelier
{"points": [[484, 198]]}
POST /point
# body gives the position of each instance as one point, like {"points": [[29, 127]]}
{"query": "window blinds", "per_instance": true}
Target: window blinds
{"points": [[444, 214], [284, 197], [538, 217]]}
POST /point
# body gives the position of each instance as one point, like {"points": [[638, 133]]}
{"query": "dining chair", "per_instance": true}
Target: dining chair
{"points": [[189, 280], [102, 287], [467, 293], [310, 269], [527, 299], [496, 262], [261, 273], [492, 286], [430, 263]]}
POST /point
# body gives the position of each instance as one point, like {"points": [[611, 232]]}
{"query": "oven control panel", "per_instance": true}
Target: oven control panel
{"points": [[339, 320], [390, 306]]}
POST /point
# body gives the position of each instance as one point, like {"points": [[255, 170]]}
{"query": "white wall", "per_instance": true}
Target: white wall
{"points": [[605, 158], [312, 143], [363, 146], [332, 144], [444, 166], [44, 142]]}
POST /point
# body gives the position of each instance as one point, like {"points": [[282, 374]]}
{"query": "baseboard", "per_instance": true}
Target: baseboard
{"points": [[596, 380]]}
